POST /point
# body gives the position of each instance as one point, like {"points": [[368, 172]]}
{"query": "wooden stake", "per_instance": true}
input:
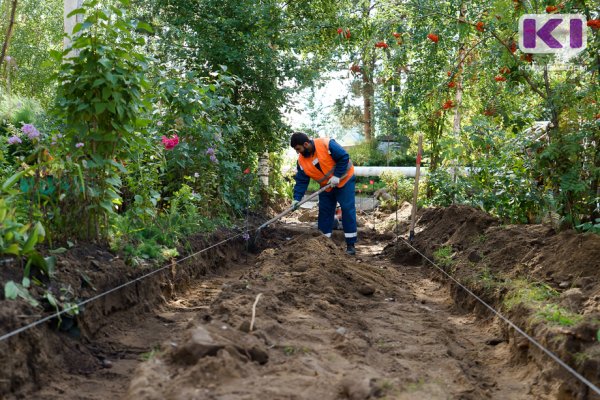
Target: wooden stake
{"points": [[413, 215], [254, 311]]}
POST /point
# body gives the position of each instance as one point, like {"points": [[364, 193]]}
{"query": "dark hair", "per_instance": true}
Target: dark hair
{"points": [[298, 138]]}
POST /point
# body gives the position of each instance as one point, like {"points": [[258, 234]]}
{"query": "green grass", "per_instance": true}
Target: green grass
{"points": [[538, 296], [291, 350], [483, 279], [529, 293], [150, 354], [415, 386], [480, 239], [581, 358], [443, 256], [558, 315], [361, 182], [487, 280], [386, 385]]}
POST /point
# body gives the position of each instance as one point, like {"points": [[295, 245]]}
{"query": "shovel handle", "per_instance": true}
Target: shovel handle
{"points": [[289, 210]]}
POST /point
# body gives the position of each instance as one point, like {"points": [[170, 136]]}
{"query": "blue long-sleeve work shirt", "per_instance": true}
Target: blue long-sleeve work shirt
{"points": [[339, 155]]}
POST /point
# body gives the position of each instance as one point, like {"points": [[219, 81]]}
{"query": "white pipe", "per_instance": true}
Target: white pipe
{"points": [[377, 171], [408, 172]]}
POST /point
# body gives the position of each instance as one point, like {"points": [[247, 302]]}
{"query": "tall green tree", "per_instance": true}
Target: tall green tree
{"points": [[38, 29], [489, 76], [370, 40], [259, 42]]}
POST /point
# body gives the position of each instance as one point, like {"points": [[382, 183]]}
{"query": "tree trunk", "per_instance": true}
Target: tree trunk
{"points": [[368, 95], [9, 30], [368, 90], [458, 77], [436, 130], [459, 92], [458, 98]]}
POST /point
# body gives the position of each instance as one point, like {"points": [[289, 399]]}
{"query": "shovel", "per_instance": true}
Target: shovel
{"points": [[252, 241]]}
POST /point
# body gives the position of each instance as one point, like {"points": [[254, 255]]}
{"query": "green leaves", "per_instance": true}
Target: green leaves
{"points": [[10, 182], [16, 239], [13, 290], [76, 11], [80, 26], [101, 100], [36, 235], [145, 27]]}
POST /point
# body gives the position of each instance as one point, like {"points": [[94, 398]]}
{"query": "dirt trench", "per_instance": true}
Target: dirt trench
{"points": [[326, 326]]}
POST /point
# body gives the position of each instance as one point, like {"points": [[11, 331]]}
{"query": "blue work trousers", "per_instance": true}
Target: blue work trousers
{"points": [[327, 203]]}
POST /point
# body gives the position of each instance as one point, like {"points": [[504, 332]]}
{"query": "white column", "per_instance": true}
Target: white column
{"points": [[69, 23], [263, 170]]}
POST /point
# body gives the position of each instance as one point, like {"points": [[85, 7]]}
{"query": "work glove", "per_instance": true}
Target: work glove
{"points": [[295, 205], [334, 181]]}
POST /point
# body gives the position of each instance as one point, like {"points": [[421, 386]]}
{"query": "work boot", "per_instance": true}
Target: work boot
{"points": [[350, 250]]}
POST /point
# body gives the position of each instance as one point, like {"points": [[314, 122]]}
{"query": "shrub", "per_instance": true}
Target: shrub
{"points": [[16, 111], [101, 81], [368, 154], [399, 187]]}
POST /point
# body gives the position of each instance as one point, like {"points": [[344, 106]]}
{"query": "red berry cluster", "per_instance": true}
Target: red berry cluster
{"points": [[345, 33], [433, 37], [447, 105]]}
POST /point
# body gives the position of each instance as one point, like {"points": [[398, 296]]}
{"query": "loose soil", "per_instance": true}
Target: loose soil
{"points": [[326, 325], [331, 326], [505, 265]]}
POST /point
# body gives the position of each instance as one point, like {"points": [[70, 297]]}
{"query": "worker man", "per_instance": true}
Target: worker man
{"points": [[326, 162]]}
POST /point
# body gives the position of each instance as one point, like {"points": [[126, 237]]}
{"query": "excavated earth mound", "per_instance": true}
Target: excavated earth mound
{"points": [[545, 281]]}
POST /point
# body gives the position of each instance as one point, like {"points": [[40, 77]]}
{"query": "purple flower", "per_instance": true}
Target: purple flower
{"points": [[246, 236], [159, 123], [78, 145], [210, 151], [14, 140], [214, 159], [30, 131]]}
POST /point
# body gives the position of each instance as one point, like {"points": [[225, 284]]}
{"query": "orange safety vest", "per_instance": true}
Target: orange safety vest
{"points": [[322, 156]]}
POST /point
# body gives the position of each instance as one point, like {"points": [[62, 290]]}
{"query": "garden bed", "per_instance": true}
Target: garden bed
{"points": [[75, 345], [545, 281]]}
